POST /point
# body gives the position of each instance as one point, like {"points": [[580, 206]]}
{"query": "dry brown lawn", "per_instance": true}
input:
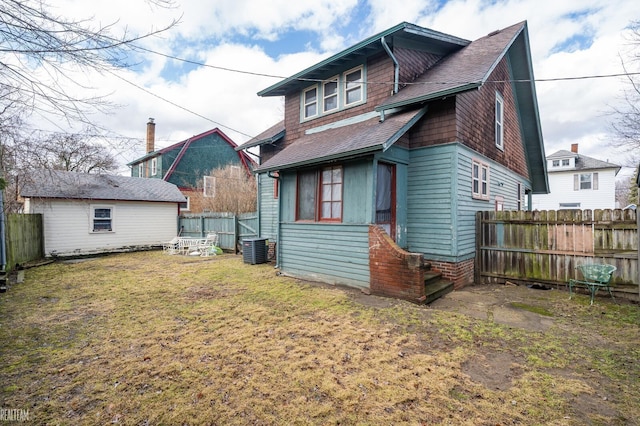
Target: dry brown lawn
{"points": [[149, 339]]}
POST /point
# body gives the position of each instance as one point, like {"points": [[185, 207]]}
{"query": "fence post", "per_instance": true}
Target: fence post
{"points": [[235, 233]]}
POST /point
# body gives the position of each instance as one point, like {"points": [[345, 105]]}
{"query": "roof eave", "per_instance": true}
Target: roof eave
{"points": [[272, 139], [429, 97], [319, 160]]}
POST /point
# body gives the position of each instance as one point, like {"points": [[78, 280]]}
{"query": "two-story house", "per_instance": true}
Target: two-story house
{"points": [[187, 164], [389, 148], [577, 181]]}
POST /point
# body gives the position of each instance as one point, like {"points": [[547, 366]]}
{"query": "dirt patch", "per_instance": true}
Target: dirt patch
{"points": [[496, 371], [496, 303]]}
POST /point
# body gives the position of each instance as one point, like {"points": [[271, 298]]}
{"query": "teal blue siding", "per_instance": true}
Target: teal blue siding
{"points": [[430, 217], [357, 192], [400, 157], [332, 253], [268, 208], [441, 209], [203, 155]]}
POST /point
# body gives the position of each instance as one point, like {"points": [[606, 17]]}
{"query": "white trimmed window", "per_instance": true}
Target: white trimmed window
{"points": [[499, 121], [555, 163], [565, 162], [310, 107], [186, 206], [353, 87], [519, 196], [330, 95], [585, 181], [480, 180], [141, 170], [154, 166], [209, 186], [102, 218]]}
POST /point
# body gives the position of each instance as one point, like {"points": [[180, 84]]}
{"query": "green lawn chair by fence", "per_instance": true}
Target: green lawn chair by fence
{"points": [[595, 277]]}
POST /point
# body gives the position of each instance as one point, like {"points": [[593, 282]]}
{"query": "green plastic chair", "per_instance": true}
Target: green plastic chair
{"points": [[595, 276]]}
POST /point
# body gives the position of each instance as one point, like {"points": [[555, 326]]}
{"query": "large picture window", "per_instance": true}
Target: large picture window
{"points": [[319, 195]]}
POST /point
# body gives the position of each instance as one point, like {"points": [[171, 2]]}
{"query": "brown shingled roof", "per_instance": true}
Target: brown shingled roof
{"points": [[465, 69], [366, 136]]}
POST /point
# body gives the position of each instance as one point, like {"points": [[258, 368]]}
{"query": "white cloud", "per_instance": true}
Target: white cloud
{"points": [[571, 111]]}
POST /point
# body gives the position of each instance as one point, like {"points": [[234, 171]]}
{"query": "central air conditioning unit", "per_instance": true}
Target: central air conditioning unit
{"points": [[254, 250]]}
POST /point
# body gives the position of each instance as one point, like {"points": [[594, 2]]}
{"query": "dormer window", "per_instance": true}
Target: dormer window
{"points": [[330, 91], [565, 162], [310, 102], [353, 86], [334, 94], [555, 163]]}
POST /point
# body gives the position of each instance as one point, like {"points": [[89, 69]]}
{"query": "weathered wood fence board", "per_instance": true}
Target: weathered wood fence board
{"points": [[546, 246], [24, 239], [231, 228]]}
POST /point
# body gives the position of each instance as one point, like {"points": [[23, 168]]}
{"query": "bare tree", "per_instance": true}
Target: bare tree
{"points": [[229, 189], [40, 51], [626, 122]]}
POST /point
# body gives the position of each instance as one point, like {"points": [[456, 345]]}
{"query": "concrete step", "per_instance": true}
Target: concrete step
{"points": [[435, 289]]}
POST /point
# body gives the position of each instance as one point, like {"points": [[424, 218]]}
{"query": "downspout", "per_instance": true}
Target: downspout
{"points": [[396, 65], [278, 245]]}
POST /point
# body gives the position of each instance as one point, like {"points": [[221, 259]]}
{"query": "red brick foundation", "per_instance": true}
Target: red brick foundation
{"points": [[394, 272], [461, 274]]}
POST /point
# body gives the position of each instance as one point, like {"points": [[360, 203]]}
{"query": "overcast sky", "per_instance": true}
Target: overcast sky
{"points": [[569, 38]]}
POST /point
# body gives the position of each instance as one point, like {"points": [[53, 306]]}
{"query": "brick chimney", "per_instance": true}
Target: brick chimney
{"points": [[574, 148], [151, 136]]}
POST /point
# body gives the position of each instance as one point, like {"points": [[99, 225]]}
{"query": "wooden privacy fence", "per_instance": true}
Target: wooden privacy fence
{"points": [[546, 246], [24, 239], [231, 228]]}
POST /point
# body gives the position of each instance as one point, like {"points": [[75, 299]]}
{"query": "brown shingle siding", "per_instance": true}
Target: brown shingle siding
{"points": [[476, 121]]}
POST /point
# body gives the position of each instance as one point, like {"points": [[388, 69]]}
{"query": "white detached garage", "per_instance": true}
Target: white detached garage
{"points": [[90, 214]]}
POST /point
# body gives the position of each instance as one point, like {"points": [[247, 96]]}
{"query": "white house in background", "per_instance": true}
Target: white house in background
{"points": [[89, 214], [578, 182]]}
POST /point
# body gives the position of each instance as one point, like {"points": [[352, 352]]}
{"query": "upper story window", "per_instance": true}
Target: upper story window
{"points": [[353, 86], [102, 218], [565, 162], [585, 181], [499, 121], [339, 92], [330, 98], [555, 163], [154, 166], [186, 206], [480, 180], [141, 170], [209, 186], [310, 102]]}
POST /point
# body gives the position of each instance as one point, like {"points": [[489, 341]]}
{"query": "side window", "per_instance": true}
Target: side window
{"points": [[480, 180], [154, 166], [500, 122], [186, 206], [102, 218], [331, 194], [141, 170]]}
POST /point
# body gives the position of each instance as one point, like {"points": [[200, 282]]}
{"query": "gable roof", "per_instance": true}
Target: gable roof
{"points": [[184, 145], [72, 185], [404, 32], [345, 141], [582, 162]]}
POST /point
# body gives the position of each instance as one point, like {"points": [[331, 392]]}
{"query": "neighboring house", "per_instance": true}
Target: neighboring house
{"points": [[578, 182], [187, 164], [89, 213], [410, 131]]}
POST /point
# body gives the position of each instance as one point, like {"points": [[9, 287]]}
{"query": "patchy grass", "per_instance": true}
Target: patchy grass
{"points": [[146, 338], [535, 309]]}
